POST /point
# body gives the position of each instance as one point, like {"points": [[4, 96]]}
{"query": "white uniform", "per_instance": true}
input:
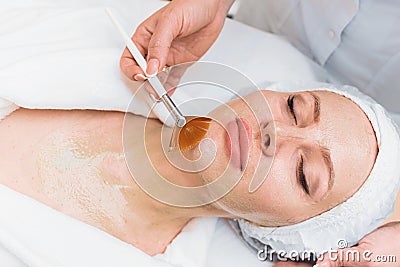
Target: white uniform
{"points": [[356, 41]]}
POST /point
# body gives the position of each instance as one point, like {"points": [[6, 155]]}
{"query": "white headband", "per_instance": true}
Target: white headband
{"points": [[361, 213]]}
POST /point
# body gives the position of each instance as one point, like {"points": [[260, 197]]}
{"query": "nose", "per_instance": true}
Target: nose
{"points": [[274, 133], [268, 139]]}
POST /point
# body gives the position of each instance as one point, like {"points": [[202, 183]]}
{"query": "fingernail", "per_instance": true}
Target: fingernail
{"points": [[315, 265], [323, 264], [152, 67], [139, 77]]}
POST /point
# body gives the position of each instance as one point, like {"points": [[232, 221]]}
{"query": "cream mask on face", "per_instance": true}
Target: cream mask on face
{"points": [[201, 89]]}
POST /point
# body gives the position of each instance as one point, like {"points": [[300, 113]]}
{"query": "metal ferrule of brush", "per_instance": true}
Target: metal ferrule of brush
{"points": [[180, 120]]}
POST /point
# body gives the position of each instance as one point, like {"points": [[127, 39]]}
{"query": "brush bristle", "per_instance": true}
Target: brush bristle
{"points": [[193, 132]]}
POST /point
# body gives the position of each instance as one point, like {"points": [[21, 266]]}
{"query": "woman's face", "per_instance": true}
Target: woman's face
{"points": [[315, 150]]}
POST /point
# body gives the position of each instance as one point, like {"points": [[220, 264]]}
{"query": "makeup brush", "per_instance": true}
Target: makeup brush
{"points": [[191, 134], [188, 131]]}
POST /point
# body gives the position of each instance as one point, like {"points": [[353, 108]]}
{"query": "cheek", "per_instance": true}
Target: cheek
{"points": [[271, 205], [277, 105], [278, 196], [276, 199], [284, 202], [216, 136]]}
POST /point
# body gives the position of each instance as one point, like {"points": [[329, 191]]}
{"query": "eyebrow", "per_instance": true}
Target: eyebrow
{"points": [[317, 106], [326, 155]]}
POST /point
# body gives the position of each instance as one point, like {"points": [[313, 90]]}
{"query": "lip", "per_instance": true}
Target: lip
{"points": [[238, 139]]}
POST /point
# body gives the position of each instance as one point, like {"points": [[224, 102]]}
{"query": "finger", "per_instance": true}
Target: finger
{"points": [[141, 39], [171, 77], [129, 66], [140, 77], [134, 72], [160, 43], [174, 77]]}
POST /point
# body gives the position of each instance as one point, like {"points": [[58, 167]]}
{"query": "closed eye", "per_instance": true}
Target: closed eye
{"points": [[290, 103], [301, 177]]}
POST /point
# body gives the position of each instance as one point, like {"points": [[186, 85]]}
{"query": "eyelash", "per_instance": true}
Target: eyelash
{"points": [[301, 177], [290, 102]]}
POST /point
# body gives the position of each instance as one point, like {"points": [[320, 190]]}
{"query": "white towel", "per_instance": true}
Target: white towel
{"points": [[6, 108]]}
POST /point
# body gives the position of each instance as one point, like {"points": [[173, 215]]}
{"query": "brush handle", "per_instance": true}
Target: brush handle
{"points": [[180, 120], [129, 43], [154, 81]]}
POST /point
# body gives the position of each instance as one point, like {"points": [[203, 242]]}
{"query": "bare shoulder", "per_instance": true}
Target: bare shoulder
{"points": [[31, 142], [73, 162]]}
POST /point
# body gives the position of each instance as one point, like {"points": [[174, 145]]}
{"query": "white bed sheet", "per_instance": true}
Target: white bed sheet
{"points": [[239, 46]]}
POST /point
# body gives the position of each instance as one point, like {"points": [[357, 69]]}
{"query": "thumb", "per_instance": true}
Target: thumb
{"points": [[159, 46], [353, 256]]}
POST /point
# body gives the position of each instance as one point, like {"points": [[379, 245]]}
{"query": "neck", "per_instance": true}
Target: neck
{"points": [[165, 162], [159, 167], [149, 218]]}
